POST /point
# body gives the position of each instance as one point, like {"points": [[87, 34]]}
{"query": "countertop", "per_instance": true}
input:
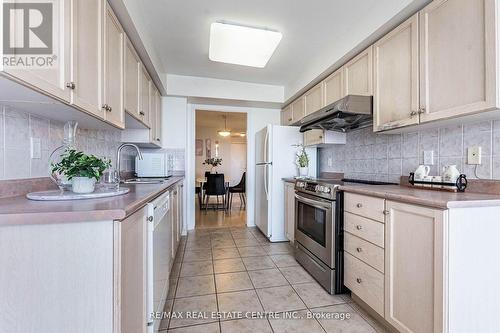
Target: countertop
{"points": [[20, 210], [429, 198], [289, 180]]}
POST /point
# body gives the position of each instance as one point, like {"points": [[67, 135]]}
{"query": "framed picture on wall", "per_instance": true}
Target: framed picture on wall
{"points": [[199, 147], [208, 147]]}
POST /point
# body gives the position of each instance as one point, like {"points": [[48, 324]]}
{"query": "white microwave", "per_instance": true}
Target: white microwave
{"points": [[154, 164]]}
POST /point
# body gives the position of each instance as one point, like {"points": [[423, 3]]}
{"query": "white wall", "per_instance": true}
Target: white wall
{"points": [[257, 118], [174, 122]]}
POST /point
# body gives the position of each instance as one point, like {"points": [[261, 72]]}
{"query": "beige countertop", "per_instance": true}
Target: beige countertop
{"points": [[429, 198], [20, 210], [289, 180]]}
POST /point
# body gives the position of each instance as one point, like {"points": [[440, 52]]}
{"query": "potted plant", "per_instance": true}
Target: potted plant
{"points": [[83, 170], [214, 162], [302, 161]]}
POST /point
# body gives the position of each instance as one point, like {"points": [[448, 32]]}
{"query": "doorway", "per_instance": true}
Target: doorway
{"points": [[220, 166]]}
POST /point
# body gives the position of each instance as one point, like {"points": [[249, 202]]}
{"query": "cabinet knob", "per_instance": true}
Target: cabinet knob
{"points": [[358, 280], [142, 113], [359, 205], [110, 109], [414, 113], [359, 227], [105, 107], [71, 85], [386, 212], [421, 110], [359, 249], [158, 139], [150, 219], [290, 119]]}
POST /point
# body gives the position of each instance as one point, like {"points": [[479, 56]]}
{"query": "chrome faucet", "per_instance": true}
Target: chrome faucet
{"points": [[119, 153]]}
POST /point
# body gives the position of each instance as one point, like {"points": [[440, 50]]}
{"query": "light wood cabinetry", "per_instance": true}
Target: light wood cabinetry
{"points": [[156, 120], [318, 137], [174, 195], [299, 109], [414, 268], [290, 211], [396, 77], [287, 116], [358, 74], [145, 96], [365, 206], [131, 90], [314, 99], [114, 37], [333, 87]]}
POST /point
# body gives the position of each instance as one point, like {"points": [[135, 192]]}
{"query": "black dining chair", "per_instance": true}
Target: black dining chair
{"points": [[240, 188], [215, 185]]}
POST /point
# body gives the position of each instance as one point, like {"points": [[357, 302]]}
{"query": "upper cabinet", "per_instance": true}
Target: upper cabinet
{"points": [[156, 117], [132, 72], [287, 116], [299, 109], [314, 99], [145, 96], [358, 74], [396, 70], [333, 87]]}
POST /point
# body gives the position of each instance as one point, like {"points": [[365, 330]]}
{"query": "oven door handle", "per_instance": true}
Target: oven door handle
{"points": [[313, 203]]}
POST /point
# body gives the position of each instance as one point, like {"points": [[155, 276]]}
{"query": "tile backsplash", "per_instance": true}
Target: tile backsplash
{"points": [[384, 157], [17, 128]]}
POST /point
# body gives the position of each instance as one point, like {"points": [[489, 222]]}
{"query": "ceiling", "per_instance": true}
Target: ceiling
{"points": [[236, 122], [315, 33]]}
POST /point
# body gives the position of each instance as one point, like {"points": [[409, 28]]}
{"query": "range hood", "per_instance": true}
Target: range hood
{"points": [[349, 113]]}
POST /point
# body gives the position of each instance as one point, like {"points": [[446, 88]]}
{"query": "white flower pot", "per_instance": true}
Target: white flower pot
{"points": [[304, 171], [83, 184]]}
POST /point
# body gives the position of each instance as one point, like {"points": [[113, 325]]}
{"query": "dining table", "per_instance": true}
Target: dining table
{"points": [[201, 181]]}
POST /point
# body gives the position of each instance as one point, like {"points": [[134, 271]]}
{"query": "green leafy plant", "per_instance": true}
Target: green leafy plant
{"points": [[78, 164], [302, 157], [214, 161]]}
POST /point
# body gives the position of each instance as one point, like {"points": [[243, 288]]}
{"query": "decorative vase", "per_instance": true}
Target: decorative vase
{"points": [[83, 185], [303, 171], [69, 142]]}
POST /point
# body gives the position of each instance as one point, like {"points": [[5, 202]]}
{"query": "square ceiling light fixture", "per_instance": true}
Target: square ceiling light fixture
{"points": [[235, 44]]}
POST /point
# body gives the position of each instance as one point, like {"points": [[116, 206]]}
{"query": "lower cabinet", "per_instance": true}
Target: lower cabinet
{"points": [[290, 211]]}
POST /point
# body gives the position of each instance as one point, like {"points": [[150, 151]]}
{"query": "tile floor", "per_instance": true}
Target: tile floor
{"points": [[236, 270]]}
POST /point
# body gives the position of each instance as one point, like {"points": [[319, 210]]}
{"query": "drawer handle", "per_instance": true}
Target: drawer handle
{"points": [[358, 280], [359, 205], [359, 227], [359, 249]]}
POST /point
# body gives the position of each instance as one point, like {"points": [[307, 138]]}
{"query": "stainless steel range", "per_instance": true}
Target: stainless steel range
{"points": [[319, 230]]}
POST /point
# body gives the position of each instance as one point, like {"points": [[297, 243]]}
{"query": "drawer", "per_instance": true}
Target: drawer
{"points": [[365, 251], [362, 227], [364, 281], [370, 207]]}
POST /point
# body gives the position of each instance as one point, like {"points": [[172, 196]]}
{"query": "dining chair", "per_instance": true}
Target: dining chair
{"points": [[240, 188], [215, 185]]}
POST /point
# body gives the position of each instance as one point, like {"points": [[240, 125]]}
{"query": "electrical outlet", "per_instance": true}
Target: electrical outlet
{"points": [[330, 161], [36, 148], [429, 157], [474, 155]]}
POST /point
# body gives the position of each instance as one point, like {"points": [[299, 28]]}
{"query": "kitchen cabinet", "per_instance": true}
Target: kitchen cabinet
{"points": [[156, 123], [290, 211], [174, 195], [314, 99], [287, 116], [316, 137], [114, 38], [299, 109], [333, 87], [396, 77], [145, 96], [131, 82], [358, 74], [414, 268], [134, 272]]}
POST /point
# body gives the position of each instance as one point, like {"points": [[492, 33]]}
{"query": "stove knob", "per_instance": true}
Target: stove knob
{"points": [[326, 189], [319, 188], [300, 184]]}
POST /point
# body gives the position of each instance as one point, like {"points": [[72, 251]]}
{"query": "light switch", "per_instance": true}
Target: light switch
{"points": [[474, 155], [36, 148], [429, 157]]}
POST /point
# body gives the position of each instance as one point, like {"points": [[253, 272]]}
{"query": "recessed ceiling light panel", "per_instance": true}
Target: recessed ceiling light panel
{"points": [[234, 44]]}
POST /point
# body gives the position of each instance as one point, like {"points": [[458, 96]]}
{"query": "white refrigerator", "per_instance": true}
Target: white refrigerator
{"points": [[275, 157]]}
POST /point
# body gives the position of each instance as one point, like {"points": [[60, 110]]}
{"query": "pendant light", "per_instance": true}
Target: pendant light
{"points": [[225, 132]]}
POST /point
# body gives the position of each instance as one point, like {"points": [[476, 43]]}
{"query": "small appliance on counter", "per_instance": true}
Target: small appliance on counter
{"points": [[154, 165]]}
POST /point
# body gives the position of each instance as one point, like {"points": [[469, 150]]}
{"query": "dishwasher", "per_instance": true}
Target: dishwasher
{"points": [[158, 258]]}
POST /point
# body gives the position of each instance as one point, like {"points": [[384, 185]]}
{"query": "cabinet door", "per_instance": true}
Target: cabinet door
{"points": [[145, 96], [358, 74], [396, 74], [133, 272], [53, 77], [314, 99], [290, 211], [158, 118], [313, 137], [132, 67], [86, 55], [286, 116], [414, 267], [175, 225], [458, 50], [113, 69], [299, 109], [334, 87]]}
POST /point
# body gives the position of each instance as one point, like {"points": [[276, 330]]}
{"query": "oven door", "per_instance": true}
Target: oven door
{"points": [[314, 219]]}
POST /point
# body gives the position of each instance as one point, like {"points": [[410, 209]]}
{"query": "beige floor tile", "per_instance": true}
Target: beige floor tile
{"points": [[278, 248], [197, 268], [279, 299], [233, 282], [204, 305], [172, 287], [195, 285], [199, 244], [246, 242], [252, 251], [284, 260], [296, 275], [239, 301], [174, 273], [267, 278], [366, 316], [168, 307], [197, 255], [228, 265], [254, 263], [204, 328], [223, 243], [315, 296], [246, 326], [299, 323], [352, 322], [225, 253]]}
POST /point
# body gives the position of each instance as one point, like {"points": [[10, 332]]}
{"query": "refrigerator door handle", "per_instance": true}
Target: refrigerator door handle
{"points": [[265, 183], [266, 140]]}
